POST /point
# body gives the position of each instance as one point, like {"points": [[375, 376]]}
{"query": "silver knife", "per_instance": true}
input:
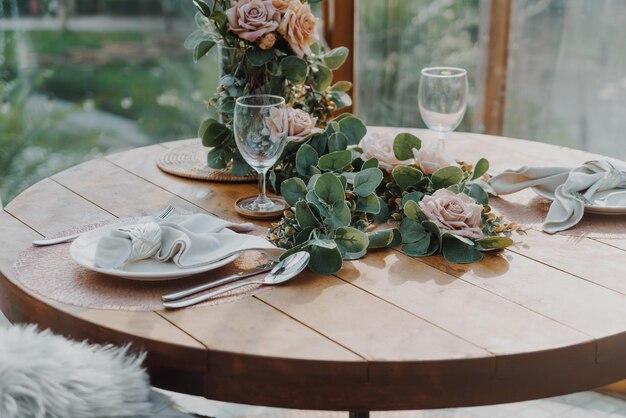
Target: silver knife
{"points": [[238, 276]]}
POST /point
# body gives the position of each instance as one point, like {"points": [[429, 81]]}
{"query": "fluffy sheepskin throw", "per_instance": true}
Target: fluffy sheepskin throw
{"points": [[43, 375]]}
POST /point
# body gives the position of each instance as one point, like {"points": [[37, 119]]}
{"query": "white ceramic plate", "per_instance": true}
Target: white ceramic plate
{"points": [[609, 202], [83, 251]]}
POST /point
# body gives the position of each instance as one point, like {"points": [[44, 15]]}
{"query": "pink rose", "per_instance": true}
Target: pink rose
{"points": [[301, 124], [299, 28], [251, 19], [379, 146], [432, 159], [277, 124], [457, 214]]}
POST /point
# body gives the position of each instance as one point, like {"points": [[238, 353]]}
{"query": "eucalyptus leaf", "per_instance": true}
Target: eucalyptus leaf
{"points": [[456, 251], [306, 157], [336, 57], [240, 167], [311, 197], [371, 163], [418, 248], [219, 157], [319, 142], [406, 176], [353, 256], [311, 185], [322, 77], [202, 49], [411, 230], [213, 133], [404, 144], [305, 216], [480, 169], [339, 215], [329, 189], [335, 160], [325, 256], [351, 240], [380, 239], [293, 190], [343, 86], [304, 235], [366, 181], [353, 128], [435, 237], [295, 69], [368, 204], [446, 176], [412, 210], [413, 196], [337, 142], [258, 57], [478, 194], [341, 99], [202, 7], [383, 214], [493, 243]]}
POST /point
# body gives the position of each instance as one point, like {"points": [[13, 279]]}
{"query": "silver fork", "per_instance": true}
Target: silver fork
{"points": [[53, 241]]}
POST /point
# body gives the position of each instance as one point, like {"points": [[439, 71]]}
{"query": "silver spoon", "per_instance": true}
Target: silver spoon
{"points": [[286, 269]]}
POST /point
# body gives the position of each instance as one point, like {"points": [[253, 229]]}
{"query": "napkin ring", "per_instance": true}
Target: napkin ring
{"points": [[145, 240]]}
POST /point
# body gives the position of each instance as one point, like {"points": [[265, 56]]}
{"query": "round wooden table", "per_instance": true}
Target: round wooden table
{"points": [[387, 332]]}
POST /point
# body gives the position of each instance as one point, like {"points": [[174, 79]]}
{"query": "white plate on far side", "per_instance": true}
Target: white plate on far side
{"points": [[608, 202], [83, 251]]}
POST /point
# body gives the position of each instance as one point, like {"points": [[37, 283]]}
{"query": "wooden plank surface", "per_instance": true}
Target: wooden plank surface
{"points": [[386, 332]]}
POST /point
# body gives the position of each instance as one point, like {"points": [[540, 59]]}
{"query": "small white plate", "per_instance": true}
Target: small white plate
{"points": [[83, 251], [608, 202]]}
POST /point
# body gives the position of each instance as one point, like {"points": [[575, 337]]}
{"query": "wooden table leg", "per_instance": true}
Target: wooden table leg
{"points": [[359, 414]]}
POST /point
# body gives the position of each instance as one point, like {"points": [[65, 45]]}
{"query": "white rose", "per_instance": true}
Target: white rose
{"points": [[431, 159], [380, 146]]}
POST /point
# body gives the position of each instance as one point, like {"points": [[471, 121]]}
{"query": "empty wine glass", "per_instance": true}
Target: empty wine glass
{"points": [[260, 128], [442, 99]]}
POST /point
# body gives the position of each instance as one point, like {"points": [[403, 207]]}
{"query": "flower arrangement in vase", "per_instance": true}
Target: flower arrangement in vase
{"points": [[266, 47]]}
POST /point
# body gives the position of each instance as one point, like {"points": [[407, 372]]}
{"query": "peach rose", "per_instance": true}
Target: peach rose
{"points": [[432, 159], [457, 214], [299, 28], [282, 5], [251, 19], [301, 124], [379, 146], [277, 124]]}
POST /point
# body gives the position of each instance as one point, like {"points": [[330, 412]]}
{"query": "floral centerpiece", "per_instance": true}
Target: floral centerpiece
{"points": [[266, 47], [343, 201]]}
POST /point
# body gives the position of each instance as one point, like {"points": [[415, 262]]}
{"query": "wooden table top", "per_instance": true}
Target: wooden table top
{"points": [[387, 332]]}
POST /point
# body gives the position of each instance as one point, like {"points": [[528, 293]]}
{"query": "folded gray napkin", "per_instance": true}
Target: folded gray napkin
{"points": [[188, 241], [564, 184]]}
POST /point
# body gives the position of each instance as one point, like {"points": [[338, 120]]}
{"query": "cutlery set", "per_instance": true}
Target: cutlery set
{"points": [[278, 271]]}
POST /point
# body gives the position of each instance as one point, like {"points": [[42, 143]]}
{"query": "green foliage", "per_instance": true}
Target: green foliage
{"points": [[404, 144]]}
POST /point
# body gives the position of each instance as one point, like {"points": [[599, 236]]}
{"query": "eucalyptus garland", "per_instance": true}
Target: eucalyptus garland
{"points": [[342, 205]]}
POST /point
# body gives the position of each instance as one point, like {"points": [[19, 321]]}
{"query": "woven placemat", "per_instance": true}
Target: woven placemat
{"points": [[189, 160], [52, 273]]}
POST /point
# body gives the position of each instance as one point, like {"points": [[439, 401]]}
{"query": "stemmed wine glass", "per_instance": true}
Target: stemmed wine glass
{"points": [[260, 128], [442, 99]]}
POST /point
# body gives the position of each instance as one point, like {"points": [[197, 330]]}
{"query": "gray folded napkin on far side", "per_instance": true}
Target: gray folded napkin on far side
{"points": [[187, 240], [566, 184]]}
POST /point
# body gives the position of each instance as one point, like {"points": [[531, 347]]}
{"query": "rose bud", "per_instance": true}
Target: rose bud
{"points": [[267, 41]]}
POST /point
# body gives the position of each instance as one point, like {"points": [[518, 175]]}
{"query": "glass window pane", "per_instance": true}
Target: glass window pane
{"points": [[79, 78]]}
